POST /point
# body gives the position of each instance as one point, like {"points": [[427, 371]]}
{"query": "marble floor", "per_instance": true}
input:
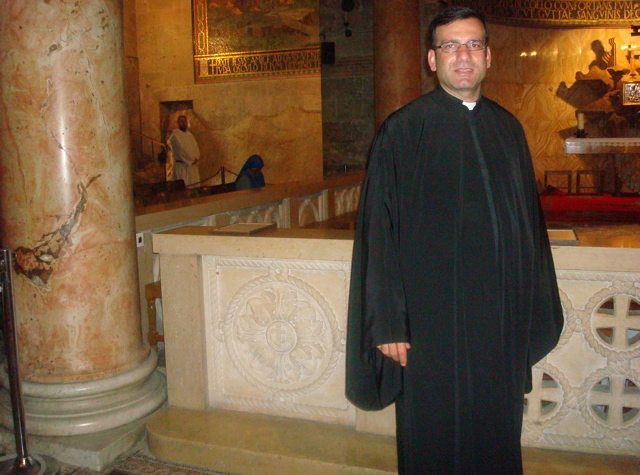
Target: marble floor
{"points": [[536, 462], [558, 462]]}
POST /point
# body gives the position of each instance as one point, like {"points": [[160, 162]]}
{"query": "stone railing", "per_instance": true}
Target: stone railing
{"points": [[257, 324], [586, 392], [289, 205]]}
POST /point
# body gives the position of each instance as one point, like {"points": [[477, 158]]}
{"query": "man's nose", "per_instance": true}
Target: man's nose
{"points": [[463, 51]]}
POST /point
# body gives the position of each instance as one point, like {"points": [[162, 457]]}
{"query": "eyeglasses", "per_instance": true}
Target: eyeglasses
{"points": [[454, 46]]}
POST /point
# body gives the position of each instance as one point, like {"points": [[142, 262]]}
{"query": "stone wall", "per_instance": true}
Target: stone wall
{"points": [[289, 205], [302, 125], [347, 86], [277, 118], [544, 90], [271, 317]]}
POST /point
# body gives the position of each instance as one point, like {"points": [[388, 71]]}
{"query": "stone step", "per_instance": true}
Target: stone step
{"points": [[244, 443]]}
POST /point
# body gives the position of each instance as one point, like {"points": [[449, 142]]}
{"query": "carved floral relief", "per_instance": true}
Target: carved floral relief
{"points": [[277, 331]]}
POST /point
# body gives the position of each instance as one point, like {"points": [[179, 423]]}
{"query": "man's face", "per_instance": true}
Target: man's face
{"points": [[183, 124], [460, 73]]}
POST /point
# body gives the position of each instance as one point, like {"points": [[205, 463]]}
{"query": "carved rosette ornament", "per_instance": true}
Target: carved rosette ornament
{"points": [[282, 335]]}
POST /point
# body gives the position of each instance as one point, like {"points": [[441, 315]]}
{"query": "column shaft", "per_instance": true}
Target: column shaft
{"points": [[396, 40], [66, 205]]}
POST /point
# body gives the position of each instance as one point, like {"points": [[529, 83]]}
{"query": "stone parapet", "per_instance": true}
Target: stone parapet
{"points": [[257, 324], [289, 205]]}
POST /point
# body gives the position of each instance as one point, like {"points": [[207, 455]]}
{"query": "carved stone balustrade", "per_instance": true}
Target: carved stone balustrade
{"points": [[257, 325]]}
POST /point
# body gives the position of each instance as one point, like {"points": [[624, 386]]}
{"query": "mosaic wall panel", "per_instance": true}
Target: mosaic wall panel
{"points": [[276, 336], [255, 39], [587, 391]]}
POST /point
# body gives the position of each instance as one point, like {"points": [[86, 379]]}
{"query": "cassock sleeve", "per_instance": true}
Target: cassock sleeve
{"points": [[377, 309], [547, 319]]}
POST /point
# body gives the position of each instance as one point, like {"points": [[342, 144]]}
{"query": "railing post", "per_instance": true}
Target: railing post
{"points": [[23, 463]]}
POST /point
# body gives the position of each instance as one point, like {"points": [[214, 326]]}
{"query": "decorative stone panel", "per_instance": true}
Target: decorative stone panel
{"points": [[312, 208], [347, 199], [586, 392], [271, 213], [275, 337]]}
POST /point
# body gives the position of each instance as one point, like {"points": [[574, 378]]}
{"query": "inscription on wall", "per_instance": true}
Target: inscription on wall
{"points": [[306, 60], [557, 12]]}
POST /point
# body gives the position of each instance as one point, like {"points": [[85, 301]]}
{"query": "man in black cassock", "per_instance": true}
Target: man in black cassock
{"points": [[453, 290]]}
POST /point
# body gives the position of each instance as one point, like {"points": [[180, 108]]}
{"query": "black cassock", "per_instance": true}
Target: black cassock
{"points": [[452, 255]]}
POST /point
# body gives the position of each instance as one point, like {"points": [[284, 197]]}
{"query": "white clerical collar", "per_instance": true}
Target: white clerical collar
{"points": [[470, 105]]}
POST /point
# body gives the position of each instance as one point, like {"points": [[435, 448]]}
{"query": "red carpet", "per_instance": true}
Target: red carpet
{"points": [[590, 209]]}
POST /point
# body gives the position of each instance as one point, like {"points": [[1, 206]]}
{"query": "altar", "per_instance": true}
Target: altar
{"points": [[610, 146]]}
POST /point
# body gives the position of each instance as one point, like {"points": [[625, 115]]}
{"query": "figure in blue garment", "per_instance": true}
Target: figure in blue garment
{"points": [[250, 175]]}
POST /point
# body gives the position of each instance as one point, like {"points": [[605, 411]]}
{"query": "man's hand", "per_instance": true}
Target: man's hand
{"points": [[396, 351]]}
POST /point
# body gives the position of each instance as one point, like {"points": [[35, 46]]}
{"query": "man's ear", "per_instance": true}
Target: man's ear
{"points": [[488, 57], [431, 59]]}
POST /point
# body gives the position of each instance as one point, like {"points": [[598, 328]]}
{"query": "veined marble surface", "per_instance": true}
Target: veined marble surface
{"points": [[66, 210], [66, 202]]}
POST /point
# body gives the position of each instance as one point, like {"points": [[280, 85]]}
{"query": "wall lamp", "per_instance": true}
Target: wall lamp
{"points": [[347, 6]]}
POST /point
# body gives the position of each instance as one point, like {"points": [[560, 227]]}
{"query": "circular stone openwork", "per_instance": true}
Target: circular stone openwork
{"points": [[615, 399], [594, 338], [571, 322], [281, 335]]}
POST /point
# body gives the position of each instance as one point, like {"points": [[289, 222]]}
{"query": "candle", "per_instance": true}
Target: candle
{"points": [[580, 121]]}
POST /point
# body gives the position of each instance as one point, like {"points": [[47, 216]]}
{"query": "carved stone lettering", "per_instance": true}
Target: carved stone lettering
{"points": [[557, 12], [259, 64]]}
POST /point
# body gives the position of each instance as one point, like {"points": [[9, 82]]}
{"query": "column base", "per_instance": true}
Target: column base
{"points": [[93, 451], [87, 407]]}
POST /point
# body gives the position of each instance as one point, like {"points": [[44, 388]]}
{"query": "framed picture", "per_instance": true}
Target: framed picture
{"points": [[241, 39], [630, 93]]}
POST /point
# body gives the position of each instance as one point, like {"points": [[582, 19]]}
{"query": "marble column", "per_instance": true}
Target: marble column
{"points": [[66, 210], [396, 55]]}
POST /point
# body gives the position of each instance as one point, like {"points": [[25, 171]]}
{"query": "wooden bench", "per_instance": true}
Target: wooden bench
{"points": [[152, 292]]}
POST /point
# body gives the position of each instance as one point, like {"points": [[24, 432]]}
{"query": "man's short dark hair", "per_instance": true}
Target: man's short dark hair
{"points": [[451, 14]]}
